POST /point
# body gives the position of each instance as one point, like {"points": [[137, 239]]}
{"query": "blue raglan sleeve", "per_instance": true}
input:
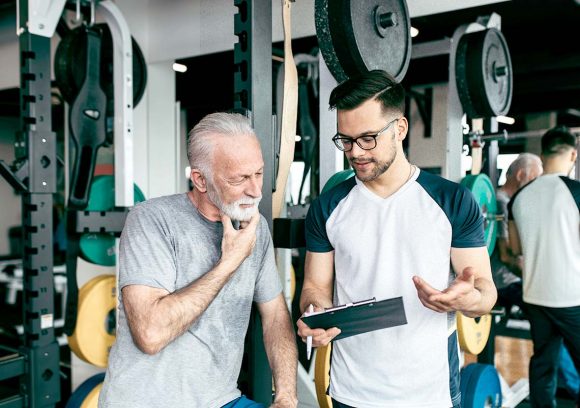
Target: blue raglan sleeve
{"points": [[468, 227], [315, 227]]}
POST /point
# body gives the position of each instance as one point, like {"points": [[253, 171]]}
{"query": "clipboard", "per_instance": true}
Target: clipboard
{"points": [[359, 317]]}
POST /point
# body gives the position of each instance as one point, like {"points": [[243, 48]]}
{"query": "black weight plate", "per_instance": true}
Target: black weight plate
{"points": [[69, 66], [484, 73], [356, 36]]}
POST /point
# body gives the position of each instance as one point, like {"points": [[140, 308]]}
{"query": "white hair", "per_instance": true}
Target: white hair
{"points": [[200, 144]]}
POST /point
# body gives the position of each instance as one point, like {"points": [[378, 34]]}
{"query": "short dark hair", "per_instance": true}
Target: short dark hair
{"points": [[558, 140], [377, 85]]}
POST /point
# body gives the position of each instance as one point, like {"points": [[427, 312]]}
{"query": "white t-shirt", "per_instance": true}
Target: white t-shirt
{"points": [[547, 215], [379, 245]]}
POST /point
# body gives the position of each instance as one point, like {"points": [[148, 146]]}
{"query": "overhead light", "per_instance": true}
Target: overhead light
{"points": [[506, 120], [414, 32], [179, 67]]}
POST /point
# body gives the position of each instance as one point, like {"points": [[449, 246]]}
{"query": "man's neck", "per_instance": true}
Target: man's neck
{"points": [[556, 167], [204, 206], [393, 179]]}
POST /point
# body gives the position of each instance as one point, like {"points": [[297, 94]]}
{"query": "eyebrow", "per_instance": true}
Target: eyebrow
{"points": [[365, 133]]}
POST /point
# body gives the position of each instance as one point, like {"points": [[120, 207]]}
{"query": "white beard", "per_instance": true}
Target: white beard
{"points": [[233, 210]]}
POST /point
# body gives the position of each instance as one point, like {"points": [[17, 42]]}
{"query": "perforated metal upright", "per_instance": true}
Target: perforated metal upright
{"points": [[36, 175], [253, 96]]}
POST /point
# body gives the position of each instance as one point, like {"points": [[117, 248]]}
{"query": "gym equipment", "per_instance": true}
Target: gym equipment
{"points": [[484, 73], [289, 115], [84, 74], [70, 67], [99, 248], [94, 333], [87, 122], [473, 333], [87, 394], [336, 179], [480, 386], [482, 188], [356, 36], [322, 375]]}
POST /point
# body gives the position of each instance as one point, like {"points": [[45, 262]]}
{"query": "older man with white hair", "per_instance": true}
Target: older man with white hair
{"points": [[190, 267]]}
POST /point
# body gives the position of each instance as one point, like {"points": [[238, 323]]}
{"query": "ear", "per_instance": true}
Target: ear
{"points": [[574, 155], [519, 175], [403, 128], [198, 180]]}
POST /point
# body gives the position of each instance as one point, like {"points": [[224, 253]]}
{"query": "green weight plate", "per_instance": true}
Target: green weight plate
{"points": [[336, 179], [482, 189], [99, 248]]}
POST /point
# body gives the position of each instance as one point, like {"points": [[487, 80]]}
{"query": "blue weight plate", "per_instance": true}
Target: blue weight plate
{"points": [[76, 399], [483, 388]]}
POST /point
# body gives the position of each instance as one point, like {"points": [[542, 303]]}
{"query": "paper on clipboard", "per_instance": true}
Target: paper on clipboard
{"points": [[359, 317]]}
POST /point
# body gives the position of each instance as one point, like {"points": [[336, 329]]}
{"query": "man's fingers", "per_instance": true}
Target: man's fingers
{"points": [[467, 275], [424, 287], [226, 222]]}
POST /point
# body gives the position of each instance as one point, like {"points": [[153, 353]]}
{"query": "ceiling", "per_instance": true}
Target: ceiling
{"points": [[542, 37], [544, 45]]}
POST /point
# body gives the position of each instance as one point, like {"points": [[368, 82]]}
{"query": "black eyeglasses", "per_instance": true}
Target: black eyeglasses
{"points": [[366, 142]]}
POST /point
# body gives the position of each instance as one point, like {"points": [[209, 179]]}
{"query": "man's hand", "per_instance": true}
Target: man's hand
{"points": [[320, 337], [237, 245], [461, 295]]}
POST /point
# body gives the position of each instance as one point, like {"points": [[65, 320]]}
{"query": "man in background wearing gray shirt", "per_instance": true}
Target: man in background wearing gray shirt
{"points": [[190, 267]]}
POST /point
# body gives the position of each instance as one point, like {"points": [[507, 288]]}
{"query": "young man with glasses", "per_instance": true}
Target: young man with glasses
{"points": [[393, 230]]}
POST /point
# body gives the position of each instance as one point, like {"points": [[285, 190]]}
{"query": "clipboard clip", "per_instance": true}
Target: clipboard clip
{"points": [[359, 303]]}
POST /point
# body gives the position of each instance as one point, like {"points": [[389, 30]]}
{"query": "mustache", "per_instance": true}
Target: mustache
{"points": [[248, 201], [362, 161]]}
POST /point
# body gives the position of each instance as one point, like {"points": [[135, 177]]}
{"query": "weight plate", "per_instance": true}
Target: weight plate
{"points": [[322, 375], [473, 333], [78, 397], [99, 248], [484, 73], [482, 189], [483, 388], [357, 36], [336, 179], [70, 68], [95, 330], [92, 399]]}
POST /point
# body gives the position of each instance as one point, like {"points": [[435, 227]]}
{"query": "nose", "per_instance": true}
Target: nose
{"points": [[356, 151], [254, 187]]}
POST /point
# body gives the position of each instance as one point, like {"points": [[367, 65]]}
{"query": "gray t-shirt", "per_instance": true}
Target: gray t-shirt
{"points": [[167, 244], [502, 274]]}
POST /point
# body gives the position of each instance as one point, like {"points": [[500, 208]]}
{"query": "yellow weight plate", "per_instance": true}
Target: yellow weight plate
{"points": [[473, 333], [72, 340], [92, 399], [91, 340], [322, 375]]}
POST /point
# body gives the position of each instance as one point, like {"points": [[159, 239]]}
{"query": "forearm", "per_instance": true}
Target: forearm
{"points": [[316, 296], [484, 298], [169, 316], [280, 344]]}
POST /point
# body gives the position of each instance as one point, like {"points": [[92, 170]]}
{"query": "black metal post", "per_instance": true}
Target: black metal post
{"points": [[253, 96], [41, 381]]}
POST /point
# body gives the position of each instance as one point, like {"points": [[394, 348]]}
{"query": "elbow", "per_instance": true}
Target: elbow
{"points": [[148, 342]]}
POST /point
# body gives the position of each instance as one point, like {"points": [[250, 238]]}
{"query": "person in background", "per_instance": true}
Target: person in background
{"points": [[544, 222], [506, 267]]}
